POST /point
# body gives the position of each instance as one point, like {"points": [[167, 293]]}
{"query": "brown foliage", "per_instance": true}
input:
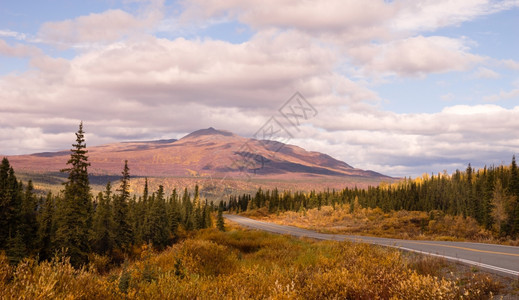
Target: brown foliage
{"points": [[246, 265], [394, 224]]}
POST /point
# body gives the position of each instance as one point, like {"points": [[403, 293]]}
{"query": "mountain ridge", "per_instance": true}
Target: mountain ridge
{"points": [[205, 152]]}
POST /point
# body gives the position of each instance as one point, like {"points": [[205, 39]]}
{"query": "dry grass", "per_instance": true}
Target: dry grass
{"points": [[374, 222], [248, 265]]}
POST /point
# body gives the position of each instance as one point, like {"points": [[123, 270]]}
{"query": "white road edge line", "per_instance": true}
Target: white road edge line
{"points": [[462, 260]]}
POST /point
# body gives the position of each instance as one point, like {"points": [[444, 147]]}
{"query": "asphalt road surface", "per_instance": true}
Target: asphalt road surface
{"points": [[499, 259]]}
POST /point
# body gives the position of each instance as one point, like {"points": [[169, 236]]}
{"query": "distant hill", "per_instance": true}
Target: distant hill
{"points": [[209, 153]]}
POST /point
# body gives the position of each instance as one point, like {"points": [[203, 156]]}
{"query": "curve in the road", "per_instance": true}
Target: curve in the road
{"points": [[499, 259]]}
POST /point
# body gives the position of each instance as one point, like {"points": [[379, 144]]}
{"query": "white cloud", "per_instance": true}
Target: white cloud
{"points": [[484, 73], [511, 64], [95, 28], [448, 97], [12, 34], [405, 144], [415, 56], [502, 95], [153, 87], [18, 50], [381, 36], [101, 28], [327, 15], [373, 18], [428, 15], [211, 72], [133, 85]]}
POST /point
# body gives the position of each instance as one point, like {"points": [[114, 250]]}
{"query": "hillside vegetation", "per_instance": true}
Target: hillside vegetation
{"points": [[80, 226], [247, 264], [475, 204], [163, 244], [402, 224]]}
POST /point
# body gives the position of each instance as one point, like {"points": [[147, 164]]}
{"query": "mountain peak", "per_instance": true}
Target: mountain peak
{"points": [[208, 131], [210, 153]]}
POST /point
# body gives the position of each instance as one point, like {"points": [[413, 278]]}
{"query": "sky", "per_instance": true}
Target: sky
{"points": [[402, 87]]}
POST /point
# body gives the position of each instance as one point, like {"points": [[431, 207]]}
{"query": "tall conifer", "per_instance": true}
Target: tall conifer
{"points": [[74, 215], [46, 228], [103, 227], [10, 203], [122, 229]]}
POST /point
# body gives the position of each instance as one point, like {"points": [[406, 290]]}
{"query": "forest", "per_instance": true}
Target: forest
{"points": [[175, 245], [77, 225], [115, 223], [489, 195]]}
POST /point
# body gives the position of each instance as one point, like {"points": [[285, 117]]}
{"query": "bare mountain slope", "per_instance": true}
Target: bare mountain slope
{"points": [[206, 152]]}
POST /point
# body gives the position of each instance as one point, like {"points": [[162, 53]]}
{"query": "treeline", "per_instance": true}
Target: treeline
{"points": [[489, 195], [76, 224]]}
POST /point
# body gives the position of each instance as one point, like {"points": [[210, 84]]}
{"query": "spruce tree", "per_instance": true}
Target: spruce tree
{"points": [[187, 211], [46, 228], [122, 228], [513, 186], [16, 249], [28, 225], [196, 198], [138, 214], [133, 219], [206, 212], [198, 219], [156, 228], [173, 212], [74, 213], [219, 220], [10, 203], [103, 226], [514, 192]]}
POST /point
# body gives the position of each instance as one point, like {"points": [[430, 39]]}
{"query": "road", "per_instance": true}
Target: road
{"points": [[498, 259]]}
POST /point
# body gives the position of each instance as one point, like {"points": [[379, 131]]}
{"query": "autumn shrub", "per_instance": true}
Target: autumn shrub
{"points": [[236, 239], [258, 213], [99, 263], [6, 270], [480, 286], [192, 256], [426, 265], [215, 265], [434, 225], [56, 279], [417, 286], [210, 259]]}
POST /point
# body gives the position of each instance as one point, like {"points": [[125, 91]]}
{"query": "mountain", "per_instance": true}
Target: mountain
{"points": [[204, 152], [209, 153]]}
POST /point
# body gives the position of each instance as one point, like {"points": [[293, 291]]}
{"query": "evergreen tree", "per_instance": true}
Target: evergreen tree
{"points": [[145, 192], [187, 211], [206, 212], [122, 229], [513, 186], [74, 211], [514, 192], [46, 229], [156, 228], [28, 225], [138, 213], [173, 212], [16, 249], [10, 203], [499, 203], [196, 198], [219, 220], [198, 219], [103, 238], [133, 219]]}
